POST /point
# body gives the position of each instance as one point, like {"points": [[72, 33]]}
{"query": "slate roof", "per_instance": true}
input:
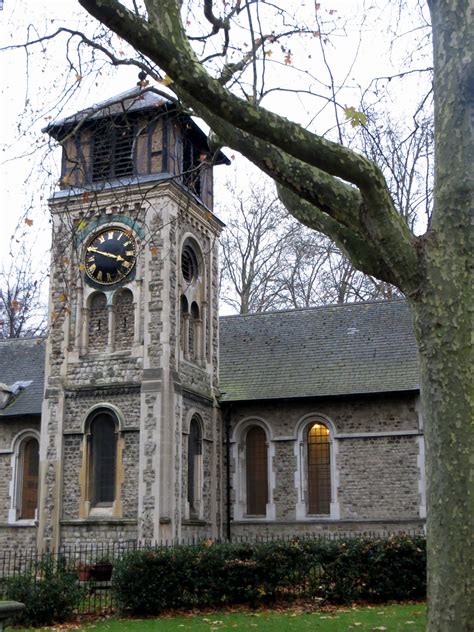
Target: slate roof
{"points": [[325, 351], [134, 100], [358, 348], [22, 359]]}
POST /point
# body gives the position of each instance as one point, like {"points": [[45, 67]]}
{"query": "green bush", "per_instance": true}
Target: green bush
{"points": [[392, 569], [149, 581], [49, 591]]}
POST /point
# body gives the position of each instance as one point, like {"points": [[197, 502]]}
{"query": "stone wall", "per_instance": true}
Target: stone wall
{"points": [[92, 532], [378, 478], [17, 537], [102, 370], [282, 529], [377, 463], [203, 410], [125, 399]]}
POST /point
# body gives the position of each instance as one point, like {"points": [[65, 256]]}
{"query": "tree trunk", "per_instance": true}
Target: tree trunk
{"points": [[443, 334], [443, 319], [443, 323]]}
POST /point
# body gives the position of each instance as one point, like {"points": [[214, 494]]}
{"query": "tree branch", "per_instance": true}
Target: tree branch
{"points": [[295, 157], [166, 44], [361, 253]]}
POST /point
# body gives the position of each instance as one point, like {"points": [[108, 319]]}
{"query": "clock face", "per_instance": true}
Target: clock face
{"points": [[110, 256]]}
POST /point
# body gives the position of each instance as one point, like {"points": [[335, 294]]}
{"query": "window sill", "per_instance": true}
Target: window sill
{"points": [[96, 519]]}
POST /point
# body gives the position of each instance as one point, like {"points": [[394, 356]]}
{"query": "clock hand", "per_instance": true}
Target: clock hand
{"points": [[105, 254]]}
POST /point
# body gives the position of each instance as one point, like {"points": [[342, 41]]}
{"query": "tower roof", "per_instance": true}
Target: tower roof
{"points": [[129, 103]]}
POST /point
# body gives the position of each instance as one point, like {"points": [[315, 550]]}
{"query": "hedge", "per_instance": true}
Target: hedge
{"points": [[49, 590], [146, 582]]}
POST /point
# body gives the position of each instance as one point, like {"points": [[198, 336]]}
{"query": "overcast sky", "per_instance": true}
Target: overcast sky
{"points": [[31, 85]]}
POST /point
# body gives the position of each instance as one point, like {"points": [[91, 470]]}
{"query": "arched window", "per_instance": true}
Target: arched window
{"points": [[102, 458], [194, 467], [27, 481], [318, 469], [98, 322], [256, 468], [193, 337], [124, 321], [189, 264], [184, 324]]}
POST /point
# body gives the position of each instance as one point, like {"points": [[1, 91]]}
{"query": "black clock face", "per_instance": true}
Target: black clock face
{"points": [[110, 256]]}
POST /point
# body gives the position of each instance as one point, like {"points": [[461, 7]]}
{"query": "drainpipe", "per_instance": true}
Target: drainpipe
{"points": [[227, 467]]}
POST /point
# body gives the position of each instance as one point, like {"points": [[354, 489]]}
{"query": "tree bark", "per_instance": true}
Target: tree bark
{"points": [[443, 315]]}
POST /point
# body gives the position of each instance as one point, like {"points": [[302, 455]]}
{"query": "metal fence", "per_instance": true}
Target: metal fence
{"points": [[91, 565]]}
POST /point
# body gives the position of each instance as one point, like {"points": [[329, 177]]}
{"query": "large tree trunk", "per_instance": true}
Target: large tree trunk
{"points": [[443, 334], [443, 318]]}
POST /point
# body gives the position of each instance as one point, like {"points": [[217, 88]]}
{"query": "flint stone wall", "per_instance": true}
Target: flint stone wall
{"points": [[377, 475]]}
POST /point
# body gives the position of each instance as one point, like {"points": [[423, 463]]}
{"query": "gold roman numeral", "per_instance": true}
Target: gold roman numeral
{"points": [[92, 268], [110, 234], [108, 277], [99, 276]]}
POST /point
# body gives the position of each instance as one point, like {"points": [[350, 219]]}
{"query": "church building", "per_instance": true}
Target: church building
{"points": [[144, 416]]}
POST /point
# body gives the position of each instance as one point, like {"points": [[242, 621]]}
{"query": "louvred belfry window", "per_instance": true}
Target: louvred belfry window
{"points": [[191, 166], [256, 471], [112, 150], [189, 265], [319, 470]]}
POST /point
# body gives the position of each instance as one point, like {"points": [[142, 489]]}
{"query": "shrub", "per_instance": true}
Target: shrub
{"points": [[49, 591], [147, 582], [392, 569]]}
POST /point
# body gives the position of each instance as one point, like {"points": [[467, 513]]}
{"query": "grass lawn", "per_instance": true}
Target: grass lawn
{"points": [[393, 618]]}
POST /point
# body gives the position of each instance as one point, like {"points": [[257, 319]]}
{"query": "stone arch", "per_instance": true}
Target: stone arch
{"points": [[124, 319], [98, 322], [24, 485], [254, 479], [101, 473], [316, 476]]}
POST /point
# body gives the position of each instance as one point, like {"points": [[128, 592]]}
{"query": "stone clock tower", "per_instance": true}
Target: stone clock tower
{"points": [[131, 440]]}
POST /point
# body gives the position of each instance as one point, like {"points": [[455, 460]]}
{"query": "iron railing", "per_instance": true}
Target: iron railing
{"points": [[92, 563]]}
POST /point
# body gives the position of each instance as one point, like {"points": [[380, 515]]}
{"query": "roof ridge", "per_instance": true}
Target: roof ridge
{"points": [[22, 339], [316, 308]]}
